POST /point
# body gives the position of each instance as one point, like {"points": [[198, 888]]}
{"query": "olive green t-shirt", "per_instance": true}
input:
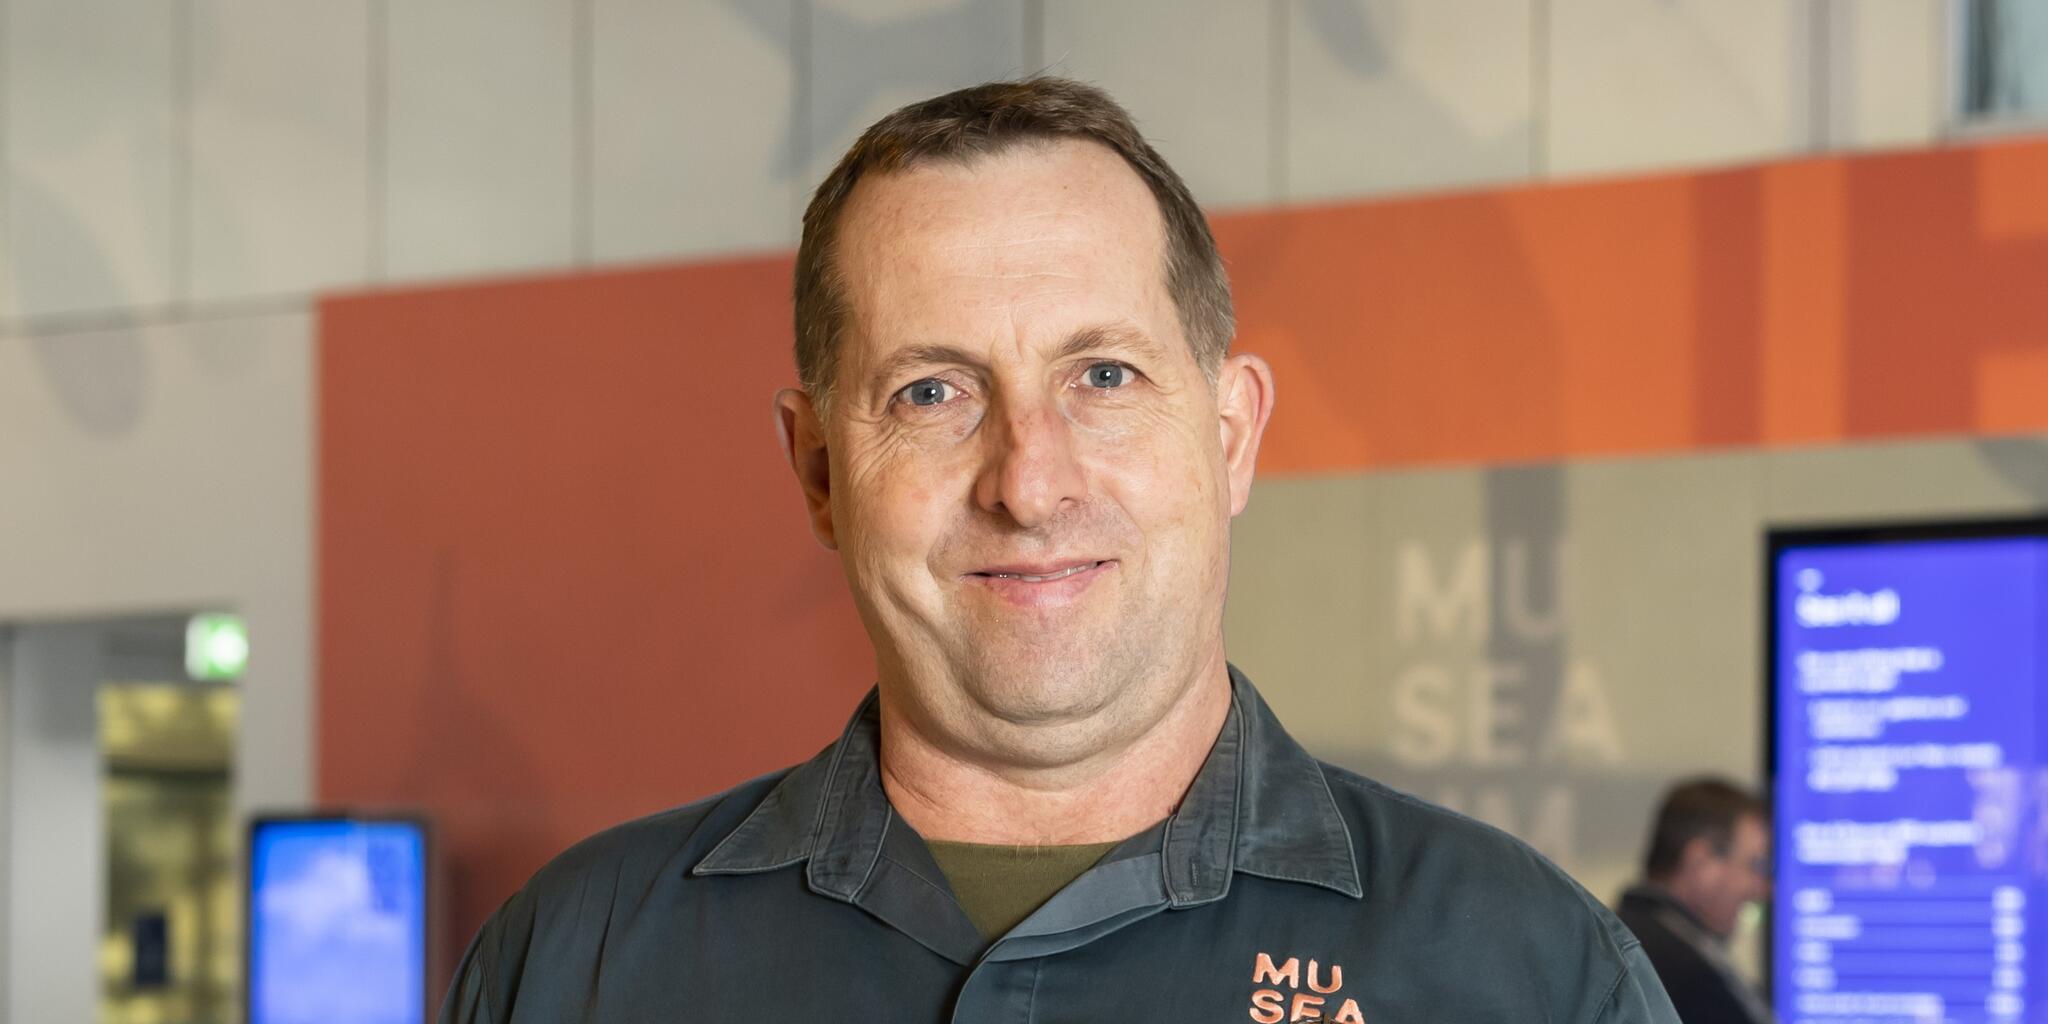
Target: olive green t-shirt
{"points": [[999, 886]]}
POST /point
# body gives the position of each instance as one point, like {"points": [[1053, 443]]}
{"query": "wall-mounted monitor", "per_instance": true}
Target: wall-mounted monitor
{"points": [[1908, 694], [338, 920]]}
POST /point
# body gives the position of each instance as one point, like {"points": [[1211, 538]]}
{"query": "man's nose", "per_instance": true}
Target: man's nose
{"points": [[1031, 470]]}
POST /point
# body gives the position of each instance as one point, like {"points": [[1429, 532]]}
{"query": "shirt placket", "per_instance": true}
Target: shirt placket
{"points": [[999, 992]]}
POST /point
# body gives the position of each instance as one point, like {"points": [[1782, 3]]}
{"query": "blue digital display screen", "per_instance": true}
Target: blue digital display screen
{"points": [[337, 922], [1911, 780]]}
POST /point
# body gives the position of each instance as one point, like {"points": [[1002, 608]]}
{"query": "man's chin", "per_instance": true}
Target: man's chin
{"points": [[1032, 693]]}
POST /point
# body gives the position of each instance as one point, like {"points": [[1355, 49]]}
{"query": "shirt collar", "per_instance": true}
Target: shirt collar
{"points": [[1655, 895], [1259, 805]]}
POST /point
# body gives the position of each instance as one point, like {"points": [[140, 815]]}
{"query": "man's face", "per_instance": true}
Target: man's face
{"points": [[1741, 876], [1026, 472]]}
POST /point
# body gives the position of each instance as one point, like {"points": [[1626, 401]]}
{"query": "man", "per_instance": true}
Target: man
{"points": [[1709, 857], [1020, 428]]}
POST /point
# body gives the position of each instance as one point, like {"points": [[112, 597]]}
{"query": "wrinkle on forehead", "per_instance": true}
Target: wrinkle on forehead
{"points": [[970, 249], [941, 251], [1019, 276], [1044, 196]]}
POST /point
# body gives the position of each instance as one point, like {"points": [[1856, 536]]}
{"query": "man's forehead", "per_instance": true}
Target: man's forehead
{"points": [[1073, 190], [1082, 168], [1028, 230]]}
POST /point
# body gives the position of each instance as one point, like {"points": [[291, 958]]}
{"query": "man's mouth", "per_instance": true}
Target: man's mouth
{"points": [[1052, 583], [1038, 577]]}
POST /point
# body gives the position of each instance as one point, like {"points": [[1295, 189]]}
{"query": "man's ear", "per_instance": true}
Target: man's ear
{"points": [[1244, 402], [1695, 854], [803, 443]]}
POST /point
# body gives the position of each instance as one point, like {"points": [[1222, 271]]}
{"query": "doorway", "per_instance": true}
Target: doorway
{"points": [[119, 839], [170, 939]]}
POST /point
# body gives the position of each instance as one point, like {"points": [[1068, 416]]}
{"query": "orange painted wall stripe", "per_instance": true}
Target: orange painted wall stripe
{"points": [[563, 573], [1804, 325], [1810, 301]]}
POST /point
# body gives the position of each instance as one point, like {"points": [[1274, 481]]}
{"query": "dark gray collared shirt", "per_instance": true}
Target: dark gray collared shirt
{"points": [[1282, 889]]}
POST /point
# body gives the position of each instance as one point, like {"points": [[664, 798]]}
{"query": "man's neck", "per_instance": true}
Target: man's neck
{"points": [[1107, 796]]}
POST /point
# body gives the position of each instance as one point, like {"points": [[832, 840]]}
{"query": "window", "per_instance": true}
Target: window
{"points": [[2005, 61]]}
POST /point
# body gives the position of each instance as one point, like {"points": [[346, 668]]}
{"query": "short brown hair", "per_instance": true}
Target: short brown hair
{"points": [[1697, 808], [982, 121]]}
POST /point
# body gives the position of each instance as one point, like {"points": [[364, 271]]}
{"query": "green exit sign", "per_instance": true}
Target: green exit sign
{"points": [[216, 647]]}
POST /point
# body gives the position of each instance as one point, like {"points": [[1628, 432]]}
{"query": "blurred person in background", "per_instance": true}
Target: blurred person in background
{"points": [[1709, 858], [1020, 427]]}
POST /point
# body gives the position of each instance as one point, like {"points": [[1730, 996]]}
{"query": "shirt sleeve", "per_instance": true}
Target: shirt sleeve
{"points": [[1638, 996]]}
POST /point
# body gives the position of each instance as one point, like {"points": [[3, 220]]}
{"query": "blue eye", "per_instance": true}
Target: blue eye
{"points": [[1108, 375], [930, 391]]}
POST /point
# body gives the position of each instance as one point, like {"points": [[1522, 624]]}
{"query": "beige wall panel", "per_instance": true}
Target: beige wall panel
{"points": [[8, 269], [1662, 584], [1635, 85], [91, 147], [1907, 480], [1197, 75], [1317, 615], [1492, 708], [55, 841], [280, 184], [868, 58], [170, 469], [696, 146], [480, 138], [1888, 66], [1304, 618], [1394, 95]]}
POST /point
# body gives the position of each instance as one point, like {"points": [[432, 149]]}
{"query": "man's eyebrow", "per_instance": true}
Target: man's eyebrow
{"points": [[905, 359], [1110, 336]]}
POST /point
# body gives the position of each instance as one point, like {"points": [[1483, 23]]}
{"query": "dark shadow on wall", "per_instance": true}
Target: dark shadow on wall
{"points": [[101, 380], [843, 51], [2021, 462], [474, 766], [1350, 34], [1526, 528], [1361, 39]]}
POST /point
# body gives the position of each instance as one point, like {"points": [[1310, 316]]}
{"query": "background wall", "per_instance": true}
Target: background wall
{"points": [[184, 178], [53, 906], [236, 151], [561, 584], [179, 182], [1548, 645], [167, 466], [549, 602]]}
